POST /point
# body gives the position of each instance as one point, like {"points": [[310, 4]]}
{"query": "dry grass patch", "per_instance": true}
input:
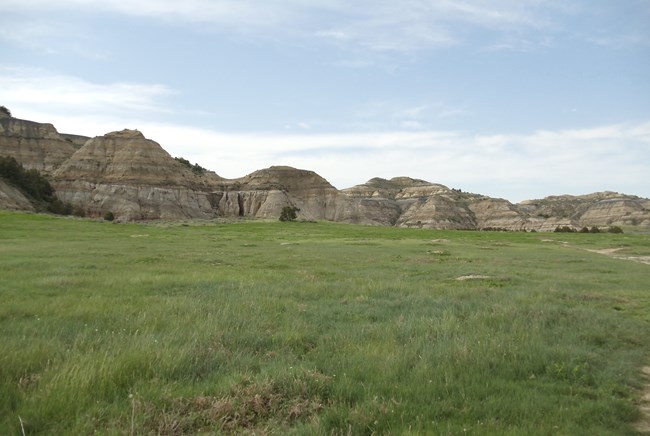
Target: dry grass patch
{"points": [[249, 406]]}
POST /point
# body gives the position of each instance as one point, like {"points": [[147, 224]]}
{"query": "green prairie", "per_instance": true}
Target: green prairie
{"points": [[317, 328]]}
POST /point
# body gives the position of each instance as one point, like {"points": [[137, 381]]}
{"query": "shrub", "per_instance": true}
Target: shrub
{"points": [[30, 182], [78, 211], [58, 207], [108, 216], [198, 169], [594, 229], [565, 229], [5, 111], [615, 229], [289, 213], [584, 230]]}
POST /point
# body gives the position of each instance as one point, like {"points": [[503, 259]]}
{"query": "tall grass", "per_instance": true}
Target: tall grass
{"points": [[311, 328]]}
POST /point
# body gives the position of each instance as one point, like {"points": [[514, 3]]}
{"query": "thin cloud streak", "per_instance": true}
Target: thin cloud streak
{"points": [[375, 25], [68, 93]]}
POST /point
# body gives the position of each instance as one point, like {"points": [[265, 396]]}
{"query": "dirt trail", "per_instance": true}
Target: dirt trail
{"points": [[611, 252]]}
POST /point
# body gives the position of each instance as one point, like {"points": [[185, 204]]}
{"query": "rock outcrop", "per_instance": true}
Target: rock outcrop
{"points": [[34, 145], [597, 209], [133, 177], [76, 140], [431, 205], [264, 193]]}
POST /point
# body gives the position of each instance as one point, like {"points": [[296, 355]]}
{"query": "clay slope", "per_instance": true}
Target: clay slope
{"points": [[133, 177], [597, 209], [34, 145], [11, 198], [431, 205], [264, 193]]}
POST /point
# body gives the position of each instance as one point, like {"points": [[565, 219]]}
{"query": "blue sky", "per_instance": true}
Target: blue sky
{"points": [[516, 99]]}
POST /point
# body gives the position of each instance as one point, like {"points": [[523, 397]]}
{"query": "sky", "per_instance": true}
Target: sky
{"points": [[516, 99]]}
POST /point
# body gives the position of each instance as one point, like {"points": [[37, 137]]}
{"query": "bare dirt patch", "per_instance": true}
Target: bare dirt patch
{"points": [[473, 277]]}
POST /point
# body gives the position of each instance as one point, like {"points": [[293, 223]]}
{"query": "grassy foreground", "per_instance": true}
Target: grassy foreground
{"points": [[304, 328]]}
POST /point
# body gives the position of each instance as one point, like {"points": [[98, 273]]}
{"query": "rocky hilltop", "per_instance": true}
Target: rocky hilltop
{"points": [[133, 177], [136, 179], [34, 145]]}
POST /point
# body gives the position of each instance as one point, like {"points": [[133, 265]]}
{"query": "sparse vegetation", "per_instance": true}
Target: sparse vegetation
{"points": [[259, 327], [109, 216], [30, 182], [614, 229], [565, 229], [5, 111], [289, 213], [34, 186], [198, 169]]}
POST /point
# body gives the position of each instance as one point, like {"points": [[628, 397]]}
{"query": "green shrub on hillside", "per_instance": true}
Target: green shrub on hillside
{"points": [[289, 213], [30, 182], [198, 169], [564, 229], [34, 186]]}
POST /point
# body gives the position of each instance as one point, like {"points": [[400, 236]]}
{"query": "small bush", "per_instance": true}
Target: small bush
{"points": [[5, 111], [58, 207], [615, 229], [289, 213], [584, 230], [78, 211], [564, 229], [594, 229], [198, 169], [109, 216]]}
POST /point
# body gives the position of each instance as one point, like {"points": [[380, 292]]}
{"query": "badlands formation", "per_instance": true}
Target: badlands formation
{"points": [[136, 179]]}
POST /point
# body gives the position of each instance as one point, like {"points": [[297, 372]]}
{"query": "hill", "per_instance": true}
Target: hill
{"points": [[136, 179]]}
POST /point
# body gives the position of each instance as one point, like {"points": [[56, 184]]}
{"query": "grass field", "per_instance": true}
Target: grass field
{"points": [[317, 328]]}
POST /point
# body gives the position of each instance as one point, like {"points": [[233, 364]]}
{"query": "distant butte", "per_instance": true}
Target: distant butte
{"points": [[136, 179]]}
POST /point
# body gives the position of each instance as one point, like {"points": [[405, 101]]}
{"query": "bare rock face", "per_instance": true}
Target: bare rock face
{"points": [[76, 140], [620, 211], [264, 193], [34, 145], [11, 198], [431, 205], [133, 177], [597, 209], [497, 213]]}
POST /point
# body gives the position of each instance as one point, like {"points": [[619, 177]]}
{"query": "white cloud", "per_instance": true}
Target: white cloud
{"points": [[51, 37], [63, 93], [514, 166], [377, 25]]}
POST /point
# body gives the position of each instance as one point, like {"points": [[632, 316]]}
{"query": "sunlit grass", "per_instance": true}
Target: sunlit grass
{"points": [[315, 328]]}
